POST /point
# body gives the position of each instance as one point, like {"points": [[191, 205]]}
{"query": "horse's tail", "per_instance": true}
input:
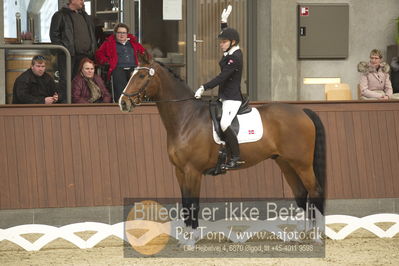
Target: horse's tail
{"points": [[319, 159]]}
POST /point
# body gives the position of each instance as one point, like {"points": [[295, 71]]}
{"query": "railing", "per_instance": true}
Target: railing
{"points": [[52, 47]]}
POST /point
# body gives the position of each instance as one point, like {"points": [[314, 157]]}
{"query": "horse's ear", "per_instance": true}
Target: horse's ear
{"points": [[144, 57]]}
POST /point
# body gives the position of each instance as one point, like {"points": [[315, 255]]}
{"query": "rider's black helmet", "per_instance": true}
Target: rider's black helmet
{"points": [[229, 34]]}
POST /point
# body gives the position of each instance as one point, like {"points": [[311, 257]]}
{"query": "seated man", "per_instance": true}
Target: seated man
{"points": [[35, 85], [375, 83]]}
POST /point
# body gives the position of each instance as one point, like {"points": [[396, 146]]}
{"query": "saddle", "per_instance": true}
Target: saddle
{"points": [[215, 109]]}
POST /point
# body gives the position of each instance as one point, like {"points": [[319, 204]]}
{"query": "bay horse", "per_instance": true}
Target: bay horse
{"points": [[293, 137]]}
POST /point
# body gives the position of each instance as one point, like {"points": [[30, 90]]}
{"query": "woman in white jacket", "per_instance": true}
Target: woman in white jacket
{"points": [[375, 83]]}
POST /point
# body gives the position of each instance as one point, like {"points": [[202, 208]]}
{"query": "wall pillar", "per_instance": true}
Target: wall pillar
{"points": [[2, 61], [260, 67], [284, 64], [275, 60]]}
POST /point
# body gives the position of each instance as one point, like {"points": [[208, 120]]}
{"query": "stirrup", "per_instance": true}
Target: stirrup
{"points": [[234, 163]]}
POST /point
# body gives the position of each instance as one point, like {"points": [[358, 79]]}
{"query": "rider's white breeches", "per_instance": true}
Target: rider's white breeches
{"points": [[230, 109]]}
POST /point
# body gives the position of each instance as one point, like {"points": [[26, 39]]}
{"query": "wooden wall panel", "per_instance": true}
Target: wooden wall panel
{"points": [[359, 154], [366, 132], [21, 158], [5, 194], [67, 142], [104, 160], [384, 146], [48, 147], [333, 149], [140, 175], [94, 149], [392, 144], [77, 160], [131, 156], [93, 155], [149, 163], [351, 160], [40, 162], [86, 159], [123, 154], [394, 134], [113, 160], [59, 161], [12, 163]]}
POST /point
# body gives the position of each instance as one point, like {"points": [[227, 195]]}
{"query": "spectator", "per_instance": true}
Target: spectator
{"points": [[72, 28], [374, 81], [120, 52], [35, 85], [87, 87]]}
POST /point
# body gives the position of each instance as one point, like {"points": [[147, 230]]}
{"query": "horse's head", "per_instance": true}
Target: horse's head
{"points": [[142, 84]]}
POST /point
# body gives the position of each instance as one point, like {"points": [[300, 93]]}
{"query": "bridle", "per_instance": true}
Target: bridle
{"points": [[141, 93]]}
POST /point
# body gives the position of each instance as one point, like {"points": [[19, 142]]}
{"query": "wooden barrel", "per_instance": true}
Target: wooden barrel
{"points": [[18, 61]]}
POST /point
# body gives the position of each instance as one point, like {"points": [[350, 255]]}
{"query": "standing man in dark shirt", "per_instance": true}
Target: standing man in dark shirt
{"points": [[72, 28], [120, 51], [35, 85]]}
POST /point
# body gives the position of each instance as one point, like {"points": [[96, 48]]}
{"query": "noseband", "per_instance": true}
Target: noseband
{"points": [[141, 91]]}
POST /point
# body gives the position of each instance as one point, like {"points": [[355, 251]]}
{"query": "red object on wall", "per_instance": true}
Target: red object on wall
{"points": [[304, 11]]}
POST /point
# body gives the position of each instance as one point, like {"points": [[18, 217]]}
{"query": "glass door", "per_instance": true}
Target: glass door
{"points": [[206, 51], [163, 33], [189, 45]]}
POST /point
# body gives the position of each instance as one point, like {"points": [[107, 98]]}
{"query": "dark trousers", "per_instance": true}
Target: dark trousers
{"points": [[120, 77], [75, 61]]}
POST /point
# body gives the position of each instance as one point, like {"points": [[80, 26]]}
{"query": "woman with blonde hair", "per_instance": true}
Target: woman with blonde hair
{"points": [[375, 83]]}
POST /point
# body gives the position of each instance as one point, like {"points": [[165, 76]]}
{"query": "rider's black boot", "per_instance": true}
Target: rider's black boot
{"points": [[232, 142]]}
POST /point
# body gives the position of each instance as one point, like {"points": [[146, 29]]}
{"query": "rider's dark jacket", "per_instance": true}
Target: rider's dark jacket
{"points": [[229, 79]]}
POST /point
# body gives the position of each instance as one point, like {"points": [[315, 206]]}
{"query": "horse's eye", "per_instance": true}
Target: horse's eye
{"points": [[141, 76]]}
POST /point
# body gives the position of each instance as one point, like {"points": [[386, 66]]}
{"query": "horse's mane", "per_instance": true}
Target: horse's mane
{"points": [[174, 74]]}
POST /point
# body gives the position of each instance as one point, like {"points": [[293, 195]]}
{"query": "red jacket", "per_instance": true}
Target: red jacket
{"points": [[81, 92], [107, 52]]}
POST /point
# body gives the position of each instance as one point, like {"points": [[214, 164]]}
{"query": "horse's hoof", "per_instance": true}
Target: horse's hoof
{"points": [[189, 237]]}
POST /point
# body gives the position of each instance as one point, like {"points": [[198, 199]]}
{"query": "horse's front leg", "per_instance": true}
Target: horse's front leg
{"points": [[190, 186]]}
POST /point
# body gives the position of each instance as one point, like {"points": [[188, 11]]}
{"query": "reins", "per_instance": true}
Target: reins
{"points": [[174, 100]]}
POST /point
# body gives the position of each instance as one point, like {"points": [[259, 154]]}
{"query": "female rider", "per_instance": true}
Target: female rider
{"points": [[229, 82]]}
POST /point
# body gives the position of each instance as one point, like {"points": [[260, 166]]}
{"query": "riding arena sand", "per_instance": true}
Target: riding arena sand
{"points": [[359, 248]]}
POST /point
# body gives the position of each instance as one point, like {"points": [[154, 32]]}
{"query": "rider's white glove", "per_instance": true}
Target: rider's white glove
{"points": [[226, 14], [199, 92]]}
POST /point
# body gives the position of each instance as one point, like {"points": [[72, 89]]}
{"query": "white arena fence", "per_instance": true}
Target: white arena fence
{"points": [[103, 231]]}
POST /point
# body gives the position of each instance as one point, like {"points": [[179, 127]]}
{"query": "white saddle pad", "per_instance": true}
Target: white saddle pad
{"points": [[251, 128]]}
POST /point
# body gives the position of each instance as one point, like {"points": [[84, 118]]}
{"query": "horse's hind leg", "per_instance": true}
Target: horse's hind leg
{"points": [[312, 186], [316, 198], [295, 183]]}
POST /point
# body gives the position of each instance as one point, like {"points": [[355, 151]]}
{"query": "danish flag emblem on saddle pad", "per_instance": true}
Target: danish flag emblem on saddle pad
{"points": [[251, 128]]}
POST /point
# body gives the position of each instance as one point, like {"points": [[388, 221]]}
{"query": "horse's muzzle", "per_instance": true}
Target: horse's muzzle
{"points": [[126, 104]]}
